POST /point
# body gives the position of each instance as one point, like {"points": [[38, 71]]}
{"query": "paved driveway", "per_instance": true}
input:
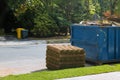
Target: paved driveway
{"points": [[22, 57]]}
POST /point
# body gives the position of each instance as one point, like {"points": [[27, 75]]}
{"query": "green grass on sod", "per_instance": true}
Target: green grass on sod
{"points": [[57, 74]]}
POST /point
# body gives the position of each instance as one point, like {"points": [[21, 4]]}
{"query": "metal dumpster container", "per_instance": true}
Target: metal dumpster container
{"points": [[102, 44]]}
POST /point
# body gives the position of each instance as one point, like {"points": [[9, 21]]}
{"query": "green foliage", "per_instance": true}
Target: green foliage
{"points": [[44, 26], [58, 14], [117, 8], [26, 20], [73, 11], [109, 5]]}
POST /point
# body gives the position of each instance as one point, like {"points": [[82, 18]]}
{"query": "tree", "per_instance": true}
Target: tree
{"points": [[44, 26], [59, 13], [3, 11]]}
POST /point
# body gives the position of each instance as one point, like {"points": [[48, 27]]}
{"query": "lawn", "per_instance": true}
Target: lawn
{"points": [[57, 74]]}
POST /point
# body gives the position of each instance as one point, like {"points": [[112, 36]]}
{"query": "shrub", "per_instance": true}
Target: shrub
{"points": [[45, 26]]}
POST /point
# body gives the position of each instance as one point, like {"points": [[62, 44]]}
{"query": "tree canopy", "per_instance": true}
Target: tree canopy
{"points": [[53, 17]]}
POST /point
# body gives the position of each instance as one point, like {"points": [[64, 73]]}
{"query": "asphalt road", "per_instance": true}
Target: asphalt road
{"points": [[22, 57]]}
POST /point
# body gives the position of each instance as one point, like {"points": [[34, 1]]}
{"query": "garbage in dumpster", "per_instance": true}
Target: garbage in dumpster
{"points": [[97, 22], [107, 20]]}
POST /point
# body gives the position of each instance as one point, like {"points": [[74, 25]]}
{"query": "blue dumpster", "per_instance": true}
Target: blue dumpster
{"points": [[102, 44]]}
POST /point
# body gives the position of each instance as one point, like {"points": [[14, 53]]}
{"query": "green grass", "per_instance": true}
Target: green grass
{"points": [[57, 74]]}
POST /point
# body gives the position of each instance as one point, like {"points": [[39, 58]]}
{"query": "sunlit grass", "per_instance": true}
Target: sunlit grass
{"points": [[57, 74]]}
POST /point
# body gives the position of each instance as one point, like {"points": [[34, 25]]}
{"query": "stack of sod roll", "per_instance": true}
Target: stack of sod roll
{"points": [[64, 56]]}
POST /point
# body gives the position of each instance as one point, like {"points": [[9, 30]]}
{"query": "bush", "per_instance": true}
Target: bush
{"points": [[26, 20], [45, 26]]}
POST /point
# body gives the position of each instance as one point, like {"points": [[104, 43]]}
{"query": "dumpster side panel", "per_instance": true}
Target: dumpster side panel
{"points": [[117, 43], [111, 43], [102, 43], [107, 43], [86, 37]]}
